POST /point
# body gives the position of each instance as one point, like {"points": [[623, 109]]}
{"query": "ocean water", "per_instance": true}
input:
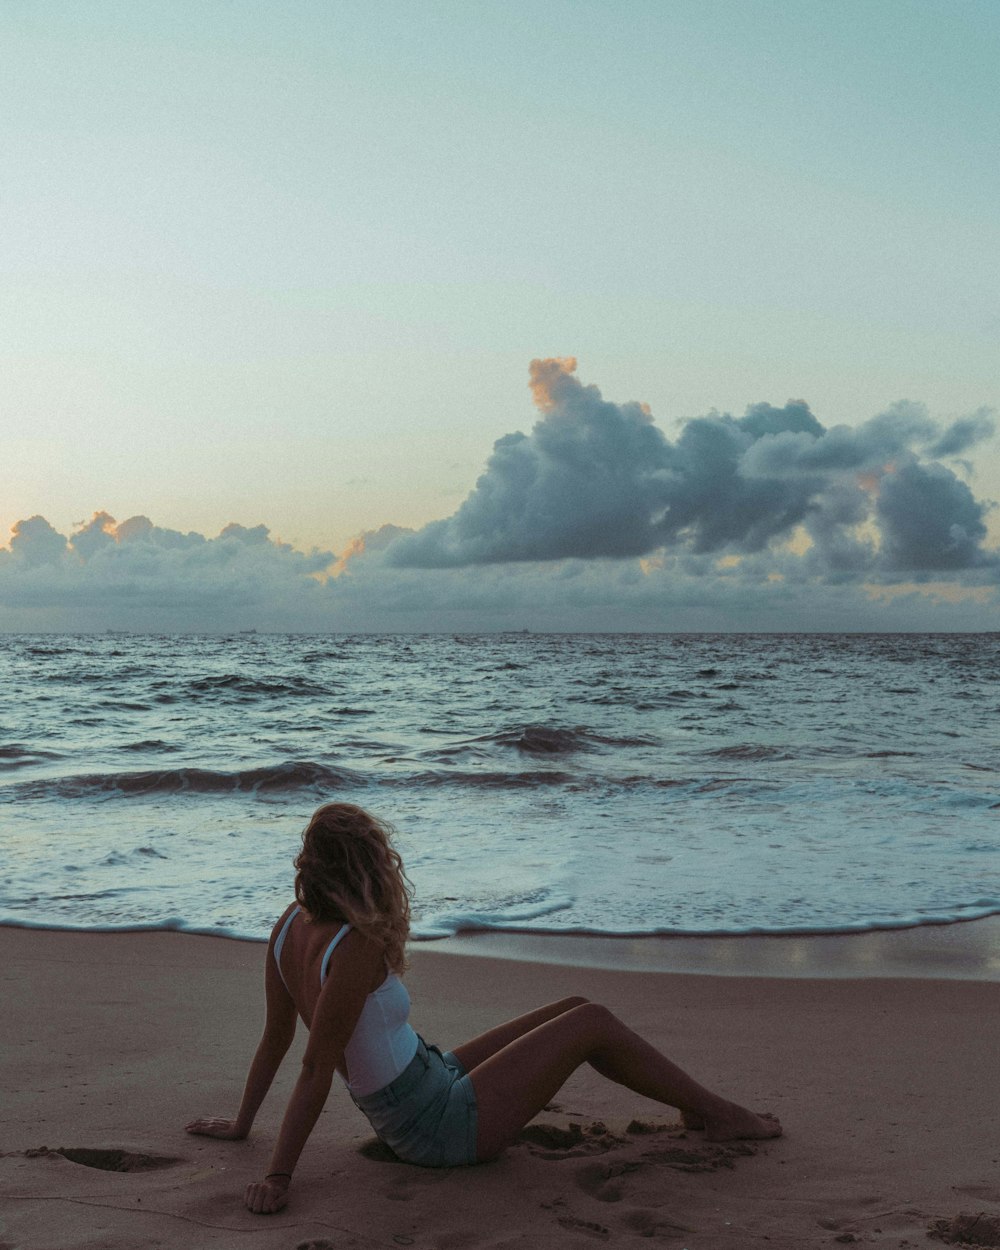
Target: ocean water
{"points": [[605, 784]]}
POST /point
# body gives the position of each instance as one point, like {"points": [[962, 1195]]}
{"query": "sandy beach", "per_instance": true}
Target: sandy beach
{"points": [[886, 1088]]}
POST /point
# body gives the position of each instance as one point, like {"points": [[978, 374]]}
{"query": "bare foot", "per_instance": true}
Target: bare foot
{"points": [[690, 1120], [738, 1124]]}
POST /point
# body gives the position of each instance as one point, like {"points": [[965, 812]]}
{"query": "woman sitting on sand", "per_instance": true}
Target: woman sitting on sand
{"points": [[335, 957]]}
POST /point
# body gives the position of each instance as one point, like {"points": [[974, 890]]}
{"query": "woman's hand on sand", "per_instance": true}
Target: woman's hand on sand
{"points": [[267, 1196], [214, 1126]]}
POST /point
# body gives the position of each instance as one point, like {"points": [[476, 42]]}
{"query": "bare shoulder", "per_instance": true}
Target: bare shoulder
{"points": [[278, 924]]}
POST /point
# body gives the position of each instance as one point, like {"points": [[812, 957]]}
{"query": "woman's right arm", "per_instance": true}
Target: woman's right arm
{"points": [[279, 1029]]}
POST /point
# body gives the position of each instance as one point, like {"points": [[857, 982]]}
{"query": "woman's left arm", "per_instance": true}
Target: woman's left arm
{"points": [[279, 1029], [358, 969]]}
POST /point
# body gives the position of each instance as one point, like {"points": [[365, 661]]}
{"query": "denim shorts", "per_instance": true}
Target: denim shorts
{"points": [[427, 1115]]}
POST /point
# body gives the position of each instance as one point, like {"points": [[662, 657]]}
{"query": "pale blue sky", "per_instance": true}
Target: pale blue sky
{"points": [[288, 263]]}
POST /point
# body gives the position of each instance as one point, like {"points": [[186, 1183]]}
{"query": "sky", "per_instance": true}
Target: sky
{"points": [[672, 315]]}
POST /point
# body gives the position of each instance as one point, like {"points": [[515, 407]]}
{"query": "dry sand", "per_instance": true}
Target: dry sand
{"points": [[110, 1043]]}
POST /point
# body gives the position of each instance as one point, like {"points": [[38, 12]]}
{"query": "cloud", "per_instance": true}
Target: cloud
{"points": [[102, 533], [587, 482], [367, 542], [930, 521], [258, 536], [964, 434], [34, 542], [137, 575], [597, 479]]}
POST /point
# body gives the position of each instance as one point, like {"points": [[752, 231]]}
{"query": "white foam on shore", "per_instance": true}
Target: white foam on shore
{"points": [[171, 925], [957, 950], [527, 925]]}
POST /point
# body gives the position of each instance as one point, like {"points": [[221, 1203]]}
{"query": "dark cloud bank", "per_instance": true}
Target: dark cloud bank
{"points": [[597, 479], [594, 520]]}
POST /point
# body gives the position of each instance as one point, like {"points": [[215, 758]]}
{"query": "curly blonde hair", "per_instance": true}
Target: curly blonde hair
{"points": [[349, 870]]}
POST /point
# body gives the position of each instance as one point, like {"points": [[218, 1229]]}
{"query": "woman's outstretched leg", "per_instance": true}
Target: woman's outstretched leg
{"points": [[515, 1083]]}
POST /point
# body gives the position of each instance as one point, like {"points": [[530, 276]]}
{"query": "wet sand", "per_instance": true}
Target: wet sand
{"points": [[968, 951], [882, 1062]]}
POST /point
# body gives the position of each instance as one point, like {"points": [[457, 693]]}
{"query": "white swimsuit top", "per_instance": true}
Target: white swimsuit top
{"points": [[383, 1041]]}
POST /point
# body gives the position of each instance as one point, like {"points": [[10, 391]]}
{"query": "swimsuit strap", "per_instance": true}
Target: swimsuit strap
{"points": [[342, 932], [280, 942]]}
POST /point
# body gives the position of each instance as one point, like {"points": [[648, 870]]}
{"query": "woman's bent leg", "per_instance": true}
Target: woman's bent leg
{"points": [[515, 1083], [471, 1054]]}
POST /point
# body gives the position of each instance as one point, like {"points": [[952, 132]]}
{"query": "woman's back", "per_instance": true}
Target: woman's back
{"points": [[303, 949], [307, 953]]}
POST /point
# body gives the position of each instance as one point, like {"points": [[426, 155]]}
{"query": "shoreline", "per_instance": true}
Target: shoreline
{"points": [[966, 950]]}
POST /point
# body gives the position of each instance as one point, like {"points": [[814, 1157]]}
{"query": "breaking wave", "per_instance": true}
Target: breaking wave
{"points": [[298, 775]]}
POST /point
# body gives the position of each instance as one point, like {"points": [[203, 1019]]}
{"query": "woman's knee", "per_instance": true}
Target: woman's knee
{"points": [[571, 1003], [594, 1015]]}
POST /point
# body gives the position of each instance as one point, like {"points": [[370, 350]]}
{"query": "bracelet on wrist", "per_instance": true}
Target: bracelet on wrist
{"points": [[272, 1175]]}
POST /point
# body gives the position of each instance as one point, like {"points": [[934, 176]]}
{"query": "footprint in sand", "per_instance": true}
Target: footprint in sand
{"points": [[600, 1179], [108, 1160], [644, 1147], [588, 1227]]}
